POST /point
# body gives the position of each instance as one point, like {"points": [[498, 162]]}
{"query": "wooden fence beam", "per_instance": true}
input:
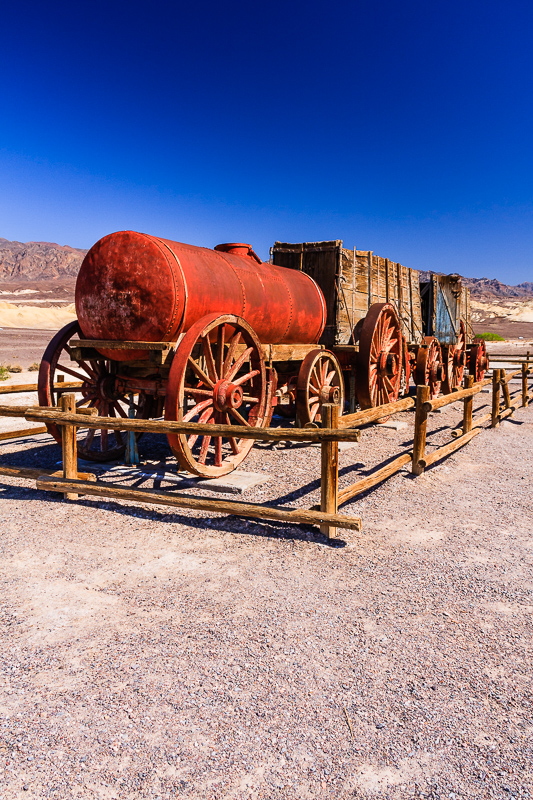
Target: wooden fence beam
{"points": [[421, 420], [256, 511], [158, 426], [329, 468], [372, 414], [379, 475], [453, 397], [32, 387], [22, 432], [446, 449], [468, 405], [495, 416], [69, 444]]}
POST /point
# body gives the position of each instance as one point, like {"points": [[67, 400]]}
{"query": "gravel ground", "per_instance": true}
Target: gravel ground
{"points": [[148, 654]]}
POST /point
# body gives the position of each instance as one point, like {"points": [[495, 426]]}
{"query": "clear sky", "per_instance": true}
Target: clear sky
{"points": [[401, 127]]}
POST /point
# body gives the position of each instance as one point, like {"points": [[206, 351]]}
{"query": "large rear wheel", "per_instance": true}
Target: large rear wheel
{"points": [[218, 377], [379, 362]]}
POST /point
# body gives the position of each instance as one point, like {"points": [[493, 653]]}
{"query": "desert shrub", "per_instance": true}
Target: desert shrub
{"points": [[13, 368], [4, 373], [33, 367], [491, 337]]}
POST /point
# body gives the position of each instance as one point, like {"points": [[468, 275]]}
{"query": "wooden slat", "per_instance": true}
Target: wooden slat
{"points": [[379, 475], [159, 426], [371, 414], [441, 452], [256, 511], [22, 433], [108, 344], [18, 388]]}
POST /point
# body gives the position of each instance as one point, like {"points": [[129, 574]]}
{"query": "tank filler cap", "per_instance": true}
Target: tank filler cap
{"points": [[238, 249]]}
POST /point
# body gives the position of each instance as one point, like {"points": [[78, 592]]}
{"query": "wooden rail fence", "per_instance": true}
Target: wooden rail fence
{"points": [[335, 428]]}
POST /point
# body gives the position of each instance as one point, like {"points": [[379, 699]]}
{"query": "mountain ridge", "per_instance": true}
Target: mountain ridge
{"points": [[30, 261]]}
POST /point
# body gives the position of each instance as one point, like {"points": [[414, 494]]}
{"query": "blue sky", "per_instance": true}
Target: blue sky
{"points": [[403, 127]]}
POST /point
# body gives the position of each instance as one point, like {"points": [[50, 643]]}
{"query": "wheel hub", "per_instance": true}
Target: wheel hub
{"points": [[107, 388], [387, 364], [330, 394], [227, 396], [437, 372]]}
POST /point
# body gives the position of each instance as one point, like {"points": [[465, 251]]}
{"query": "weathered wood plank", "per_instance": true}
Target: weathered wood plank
{"points": [[159, 426], [242, 509], [378, 476], [441, 452], [371, 414]]}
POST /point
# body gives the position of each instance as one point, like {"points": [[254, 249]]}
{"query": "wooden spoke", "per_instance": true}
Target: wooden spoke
{"points": [[209, 360], [240, 419], [200, 373], [238, 364], [235, 340], [244, 378], [221, 338]]}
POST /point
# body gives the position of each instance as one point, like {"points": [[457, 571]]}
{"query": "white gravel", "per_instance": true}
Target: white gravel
{"points": [[153, 654]]}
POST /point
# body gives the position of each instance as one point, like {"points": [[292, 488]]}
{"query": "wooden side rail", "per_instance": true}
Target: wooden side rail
{"points": [[453, 397], [18, 388], [158, 426], [375, 477], [257, 511], [372, 414], [25, 411]]}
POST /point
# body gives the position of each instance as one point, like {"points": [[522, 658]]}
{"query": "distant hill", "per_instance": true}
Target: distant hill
{"points": [[485, 288], [490, 288], [38, 261]]}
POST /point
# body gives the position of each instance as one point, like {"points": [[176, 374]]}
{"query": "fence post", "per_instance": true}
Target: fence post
{"points": [[421, 419], [495, 398], [505, 388], [69, 443], [525, 394], [329, 468], [468, 405]]}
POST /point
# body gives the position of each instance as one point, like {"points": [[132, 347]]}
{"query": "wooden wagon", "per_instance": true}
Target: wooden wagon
{"points": [[220, 338], [433, 316]]}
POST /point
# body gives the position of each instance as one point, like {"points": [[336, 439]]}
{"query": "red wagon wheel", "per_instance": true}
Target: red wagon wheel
{"points": [[99, 390], [218, 377], [428, 370], [454, 360], [478, 360], [379, 363], [406, 369], [319, 381]]}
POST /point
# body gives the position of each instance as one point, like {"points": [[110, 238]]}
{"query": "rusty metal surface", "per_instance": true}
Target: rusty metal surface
{"points": [[137, 287]]}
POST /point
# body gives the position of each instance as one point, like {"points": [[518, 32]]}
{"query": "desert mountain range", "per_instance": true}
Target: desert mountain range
{"points": [[38, 261], [46, 261], [37, 291]]}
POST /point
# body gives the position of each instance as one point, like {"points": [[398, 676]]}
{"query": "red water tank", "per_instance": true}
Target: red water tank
{"points": [[136, 287]]}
